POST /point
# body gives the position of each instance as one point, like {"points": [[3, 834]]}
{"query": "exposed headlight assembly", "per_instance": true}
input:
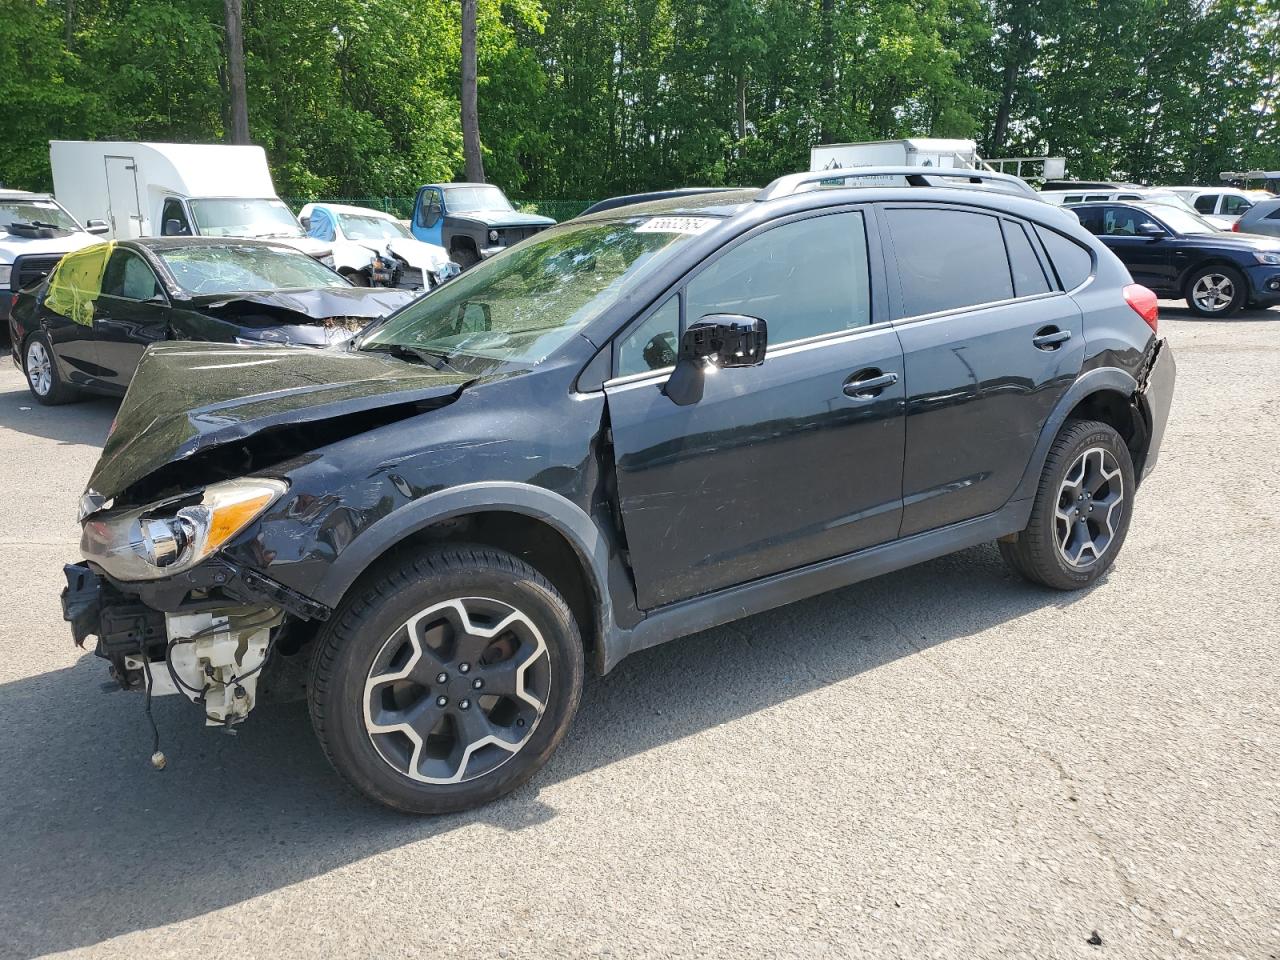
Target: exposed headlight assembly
{"points": [[166, 538], [1270, 259], [6, 271], [493, 236]]}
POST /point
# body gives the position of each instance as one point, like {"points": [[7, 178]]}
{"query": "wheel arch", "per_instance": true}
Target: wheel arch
{"points": [[544, 529], [1213, 260], [1104, 393]]}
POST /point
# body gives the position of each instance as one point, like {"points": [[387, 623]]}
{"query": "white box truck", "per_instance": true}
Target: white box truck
{"points": [[911, 152], [175, 189]]}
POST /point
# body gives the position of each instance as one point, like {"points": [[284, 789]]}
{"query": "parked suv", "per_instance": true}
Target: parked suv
{"points": [[1180, 255], [632, 427]]}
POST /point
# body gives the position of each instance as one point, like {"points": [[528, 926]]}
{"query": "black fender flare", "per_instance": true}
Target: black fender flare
{"points": [[1090, 382], [559, 513]]}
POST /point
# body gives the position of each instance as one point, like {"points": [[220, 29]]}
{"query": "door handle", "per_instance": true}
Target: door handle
{"points": [[1050, 338], [866, 384]]}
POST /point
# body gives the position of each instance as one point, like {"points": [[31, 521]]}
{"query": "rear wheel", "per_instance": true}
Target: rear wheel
{"points": [[446, 680], [43, 379], [1216, 291], [1081, 512]]}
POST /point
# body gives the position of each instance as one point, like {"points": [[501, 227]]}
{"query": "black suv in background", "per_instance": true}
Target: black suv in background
{"points": [[1182, 256], [631, 427]]}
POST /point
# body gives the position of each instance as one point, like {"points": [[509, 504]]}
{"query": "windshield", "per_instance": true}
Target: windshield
{"points": [[239, 269], [1173, 200], [357, 227], [1180, 221], [45, 212], [467, 199], [245, 218], [523, 304]]}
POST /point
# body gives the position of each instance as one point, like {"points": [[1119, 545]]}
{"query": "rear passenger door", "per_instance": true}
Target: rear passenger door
{"points": [[990, 344], [131, 313], [776, 466]]}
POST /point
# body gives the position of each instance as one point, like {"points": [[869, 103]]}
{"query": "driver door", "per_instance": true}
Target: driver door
{"points": [[428, 225], [130, 314], [776, 466]]}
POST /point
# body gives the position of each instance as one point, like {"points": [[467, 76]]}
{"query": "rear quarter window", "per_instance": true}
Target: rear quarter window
{"points": [[1072, 262]]}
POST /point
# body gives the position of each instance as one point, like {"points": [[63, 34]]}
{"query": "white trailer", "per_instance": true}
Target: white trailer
{"points": [[174, 189], [911, 152]]}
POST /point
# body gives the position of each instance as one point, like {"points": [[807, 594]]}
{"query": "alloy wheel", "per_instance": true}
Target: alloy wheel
{"points": [[39, 369], [457, 690], [1090, 504], [1213, 292]]}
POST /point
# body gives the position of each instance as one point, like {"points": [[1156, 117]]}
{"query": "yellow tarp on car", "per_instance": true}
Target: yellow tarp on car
{"points": [[77, 282]]}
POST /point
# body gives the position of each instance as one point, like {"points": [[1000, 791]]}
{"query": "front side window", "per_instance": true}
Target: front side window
{"points": [[235, 268], [948, 259], [244, 218], [1122, 221], [321, 226], [528, 301], [805, 279], [652, 344], [174, 219], [129, 278], [1233, 206]]}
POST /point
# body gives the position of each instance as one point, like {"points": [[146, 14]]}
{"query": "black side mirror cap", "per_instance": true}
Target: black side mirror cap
{"points": [[1151, 230], [721, 339]]}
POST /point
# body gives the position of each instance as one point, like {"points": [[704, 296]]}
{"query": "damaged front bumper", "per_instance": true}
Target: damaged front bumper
{"points": [[1155, 387], [207, 634]]}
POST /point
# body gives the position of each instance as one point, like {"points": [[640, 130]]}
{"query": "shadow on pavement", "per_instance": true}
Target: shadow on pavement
{"points": [[96, 844], [86, 422]]}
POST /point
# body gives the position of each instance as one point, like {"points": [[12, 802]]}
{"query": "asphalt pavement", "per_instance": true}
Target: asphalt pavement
{"points": [[942, 762]]}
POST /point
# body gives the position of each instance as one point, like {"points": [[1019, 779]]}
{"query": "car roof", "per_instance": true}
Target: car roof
{"points": [[348, 208], [631, 199], [724, 203]]}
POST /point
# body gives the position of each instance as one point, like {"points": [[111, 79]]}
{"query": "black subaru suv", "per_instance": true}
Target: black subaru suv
{"points": [[623, 430]]}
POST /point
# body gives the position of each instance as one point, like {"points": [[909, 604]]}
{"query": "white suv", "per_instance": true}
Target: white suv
{"points": [[1226, 202], [35, 232]]}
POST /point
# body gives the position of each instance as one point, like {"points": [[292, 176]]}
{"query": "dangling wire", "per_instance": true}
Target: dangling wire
{"points": [[157, 758]]}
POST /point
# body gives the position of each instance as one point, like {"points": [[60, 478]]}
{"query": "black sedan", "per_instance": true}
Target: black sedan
{"points": [[1183, 257], [86, 325]]}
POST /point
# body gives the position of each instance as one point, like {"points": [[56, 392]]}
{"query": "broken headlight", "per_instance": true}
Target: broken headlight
{"points": [[163, 539]]}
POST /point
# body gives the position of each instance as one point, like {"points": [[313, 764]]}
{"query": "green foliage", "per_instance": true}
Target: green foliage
{"points": [[589, 98]]}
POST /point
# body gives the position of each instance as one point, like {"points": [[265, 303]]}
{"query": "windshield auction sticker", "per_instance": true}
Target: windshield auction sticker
{"points": [[676, 225]]}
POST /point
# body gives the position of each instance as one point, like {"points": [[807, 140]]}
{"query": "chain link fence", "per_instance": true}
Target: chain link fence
{"points": [[402, 207]]}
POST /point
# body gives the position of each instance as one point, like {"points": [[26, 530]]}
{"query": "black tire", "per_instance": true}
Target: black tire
{"points": [[41, 369], [1060, 523], [375, 616], [1225, 280], [465, 257]]}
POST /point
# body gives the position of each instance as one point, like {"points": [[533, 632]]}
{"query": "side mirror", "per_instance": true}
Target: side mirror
{"points": [[174, 228], [96, 226], [719, 340], [1152, 231], [306, 222]]}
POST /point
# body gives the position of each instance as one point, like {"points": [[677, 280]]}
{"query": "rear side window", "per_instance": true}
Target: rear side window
{"points": [[1206, 203], [1072, 262], [1233, 206], [806, 278], [1274, 214], [1028, 274], [948, 259]]}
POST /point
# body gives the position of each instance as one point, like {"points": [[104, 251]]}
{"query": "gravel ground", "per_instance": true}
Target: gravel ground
{"points": [[943, 762]]}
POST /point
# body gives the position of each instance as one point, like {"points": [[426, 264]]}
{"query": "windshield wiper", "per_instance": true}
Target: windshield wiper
{"points": [[436, 359]]}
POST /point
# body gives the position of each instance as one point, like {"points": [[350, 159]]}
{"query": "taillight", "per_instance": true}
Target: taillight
{"points": [[1235, 227], [1144, 304]]}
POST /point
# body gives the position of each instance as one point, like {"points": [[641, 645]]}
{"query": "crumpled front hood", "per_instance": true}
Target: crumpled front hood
{"points": [[417, 253], [318, 303], [189, 397]]}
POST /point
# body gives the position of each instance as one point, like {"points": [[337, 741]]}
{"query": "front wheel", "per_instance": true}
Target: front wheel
{"points": [[1216, 291], [1081, 512], [446, 680]]}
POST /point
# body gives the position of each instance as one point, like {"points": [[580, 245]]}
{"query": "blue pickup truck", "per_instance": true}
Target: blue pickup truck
{"points": [[471, 220]]}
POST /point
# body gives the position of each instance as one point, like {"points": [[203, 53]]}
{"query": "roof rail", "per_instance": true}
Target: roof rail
{"points": [[794, 183]]}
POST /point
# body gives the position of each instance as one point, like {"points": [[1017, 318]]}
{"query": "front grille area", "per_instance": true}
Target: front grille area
{"points": [[31, 269], [513, 235]]}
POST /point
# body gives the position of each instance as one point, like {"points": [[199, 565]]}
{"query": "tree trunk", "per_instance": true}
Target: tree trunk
{"points": [[470, 115], [742, 104], [827, 66], [69, 24], [238, 114]]}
